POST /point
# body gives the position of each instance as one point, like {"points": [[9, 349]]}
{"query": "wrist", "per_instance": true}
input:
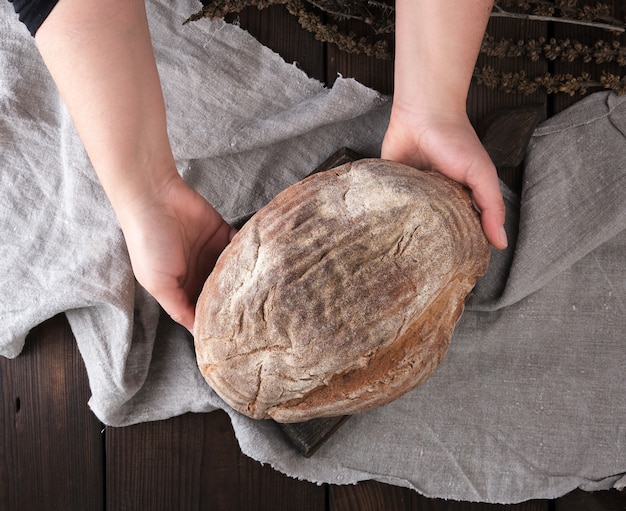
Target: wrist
{"points": [[140, 190], [418, 115], [437, 44]]}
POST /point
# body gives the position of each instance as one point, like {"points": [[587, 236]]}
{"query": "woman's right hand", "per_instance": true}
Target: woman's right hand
{"points": [[174, 239]]}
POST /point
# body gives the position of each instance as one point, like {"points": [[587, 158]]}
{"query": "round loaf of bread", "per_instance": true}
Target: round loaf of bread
{"points": [[341, 294]]}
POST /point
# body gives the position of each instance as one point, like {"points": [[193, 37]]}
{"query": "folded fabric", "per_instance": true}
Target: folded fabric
{"points": [[529, 401]]}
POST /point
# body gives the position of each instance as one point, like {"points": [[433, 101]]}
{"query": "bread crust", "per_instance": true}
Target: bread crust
{"points": [[341, 294]]}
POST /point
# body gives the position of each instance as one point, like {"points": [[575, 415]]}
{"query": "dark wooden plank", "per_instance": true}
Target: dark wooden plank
{"points": [[484, 101], [277, 29], [193, 462], [50, 442], [505, 134], [588, 36], [374, 73], [372, 496], [307, 437], [579, 500], [370, 71]]}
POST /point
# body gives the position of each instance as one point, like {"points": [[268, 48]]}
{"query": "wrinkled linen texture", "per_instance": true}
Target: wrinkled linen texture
{"points": [[528, 402]]}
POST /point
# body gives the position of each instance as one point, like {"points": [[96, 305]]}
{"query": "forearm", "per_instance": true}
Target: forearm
{"points": [[100, 56], [437, 43]]}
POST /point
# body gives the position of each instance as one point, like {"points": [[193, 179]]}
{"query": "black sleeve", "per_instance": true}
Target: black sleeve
{"points": [[33, 12]]}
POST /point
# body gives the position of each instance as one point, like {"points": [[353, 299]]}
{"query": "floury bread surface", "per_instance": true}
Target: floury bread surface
{"points": [[341, 294]]}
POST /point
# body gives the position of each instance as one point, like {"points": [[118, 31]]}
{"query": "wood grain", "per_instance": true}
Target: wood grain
{"points": [[278, 30], [370, 71], [586, 35], [373, 496], [483, 102], [51, 454], [369, 496], [193, 462], [579, 500]]}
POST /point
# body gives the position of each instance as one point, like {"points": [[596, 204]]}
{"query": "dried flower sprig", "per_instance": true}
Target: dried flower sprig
{"points": [[348, 43], [560, 11], [520, 83], [309, 20], [565, 50], [379, 16], [220, 8]]}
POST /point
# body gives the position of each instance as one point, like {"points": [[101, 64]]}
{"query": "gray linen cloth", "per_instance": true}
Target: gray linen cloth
{"points": [[529, 401]]}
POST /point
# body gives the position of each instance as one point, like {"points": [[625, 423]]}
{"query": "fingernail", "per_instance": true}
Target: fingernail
{"points": [[504, 242]]}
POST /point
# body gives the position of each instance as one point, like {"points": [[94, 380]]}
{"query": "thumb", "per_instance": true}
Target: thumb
{"points": [[177, 305], [489, 202]]}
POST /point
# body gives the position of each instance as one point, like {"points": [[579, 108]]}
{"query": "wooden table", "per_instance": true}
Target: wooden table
{"points": [[55, 455]]}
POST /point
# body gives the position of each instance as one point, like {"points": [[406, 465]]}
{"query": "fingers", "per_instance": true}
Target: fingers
{"points": [[487, 197], [176, 304], [450, 154], [182, 300], [494, 228]]}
